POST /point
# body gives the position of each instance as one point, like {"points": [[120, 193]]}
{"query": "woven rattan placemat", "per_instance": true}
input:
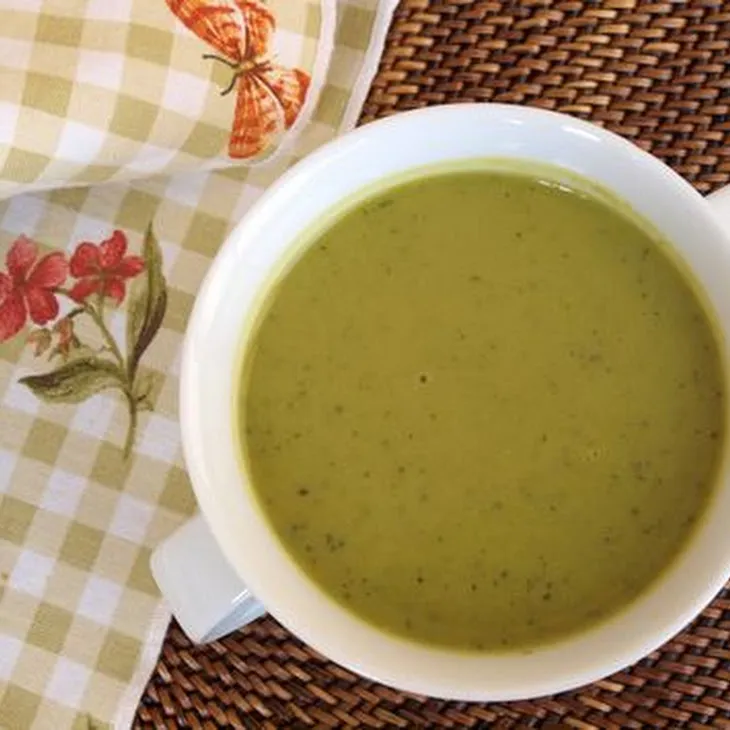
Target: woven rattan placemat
{"points": [[655, 72]]}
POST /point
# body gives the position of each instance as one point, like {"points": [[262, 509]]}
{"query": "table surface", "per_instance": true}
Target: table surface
{"points": [[657, 73]]}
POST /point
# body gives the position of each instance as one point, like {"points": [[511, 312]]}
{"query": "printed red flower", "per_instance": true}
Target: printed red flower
{"points": [[28, 287], [103, 269]]}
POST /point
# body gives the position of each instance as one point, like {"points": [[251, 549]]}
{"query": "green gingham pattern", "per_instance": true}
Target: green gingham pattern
{"points": [[81, 620], [114, 90]]}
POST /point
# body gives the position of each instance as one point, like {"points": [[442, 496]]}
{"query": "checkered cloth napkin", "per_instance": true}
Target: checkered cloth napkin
{"points": [[96, 284], [113, 90]]}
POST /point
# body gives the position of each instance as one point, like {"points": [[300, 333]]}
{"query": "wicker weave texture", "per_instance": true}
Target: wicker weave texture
{"points": [[654, 72]]}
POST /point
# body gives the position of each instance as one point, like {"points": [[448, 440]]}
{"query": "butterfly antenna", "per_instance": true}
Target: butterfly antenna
{"points": [[214, 57], [230, 86], [233, 66]]}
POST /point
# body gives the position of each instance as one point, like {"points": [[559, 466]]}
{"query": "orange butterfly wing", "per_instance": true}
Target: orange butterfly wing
{"points": [[269, 101], [237, 29], [217, 22], [259, 25], [290, 88], [258, 118]]}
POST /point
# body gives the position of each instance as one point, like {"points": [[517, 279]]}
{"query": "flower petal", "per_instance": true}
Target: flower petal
{"points": [[42, 304], [49, 272], [84, 288], [6, 286], [85, 260], [112, 250], [21, 257], [129, 266], [12, 315], [115, 289]]}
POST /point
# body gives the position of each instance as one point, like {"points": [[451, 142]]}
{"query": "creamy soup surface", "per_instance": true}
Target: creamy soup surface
{"points": [[483, 410]]}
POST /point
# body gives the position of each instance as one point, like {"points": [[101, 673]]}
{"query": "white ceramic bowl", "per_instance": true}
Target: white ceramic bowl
{"points": [[186, 567]]}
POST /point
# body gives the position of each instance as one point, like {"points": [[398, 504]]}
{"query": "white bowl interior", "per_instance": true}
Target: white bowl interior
{"points": [[224, 311]]}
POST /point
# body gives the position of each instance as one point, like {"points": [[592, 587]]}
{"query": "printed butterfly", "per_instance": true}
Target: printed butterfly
{"points": [[270, 97]]}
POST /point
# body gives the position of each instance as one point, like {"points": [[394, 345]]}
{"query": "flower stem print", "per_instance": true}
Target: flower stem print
{"points": [[269, 97], [99, 273]]}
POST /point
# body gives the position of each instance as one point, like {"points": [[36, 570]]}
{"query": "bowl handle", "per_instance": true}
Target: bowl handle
{"points": [[205, 595]]}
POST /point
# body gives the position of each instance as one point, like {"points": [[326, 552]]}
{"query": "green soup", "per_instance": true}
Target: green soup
{"points": [[483, 410]]}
